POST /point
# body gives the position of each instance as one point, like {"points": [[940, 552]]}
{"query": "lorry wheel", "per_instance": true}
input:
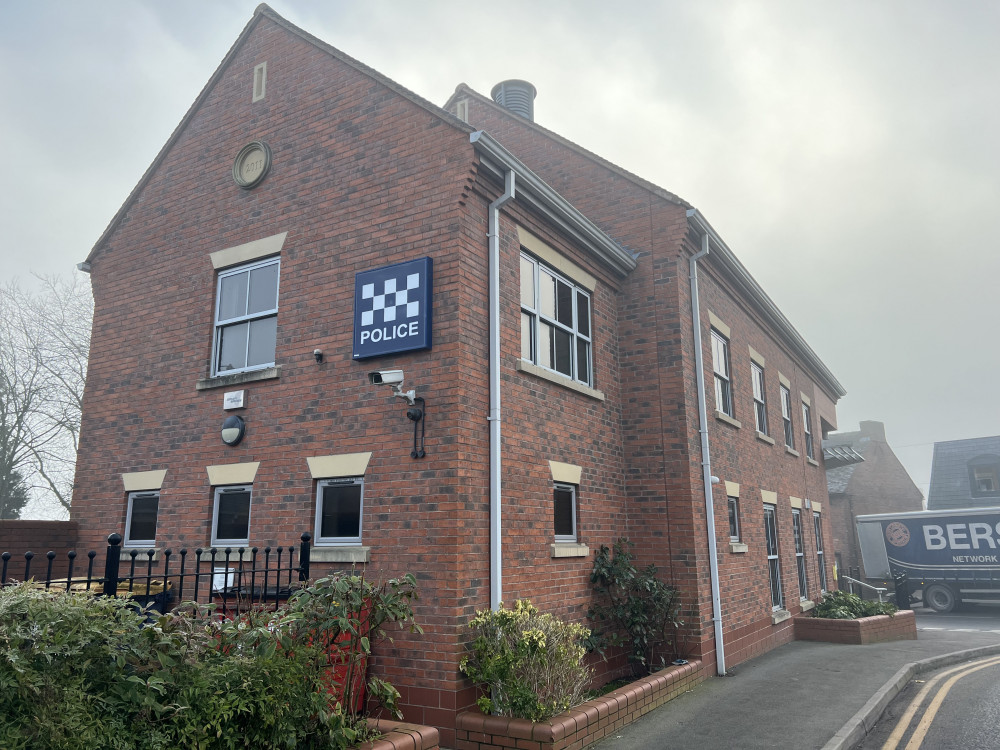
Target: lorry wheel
{"points": [[940, 598]]}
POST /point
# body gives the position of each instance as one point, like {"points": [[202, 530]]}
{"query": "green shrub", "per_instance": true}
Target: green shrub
{"points": [[633, 608], [531, 663], [86, 672], [841, 605]]}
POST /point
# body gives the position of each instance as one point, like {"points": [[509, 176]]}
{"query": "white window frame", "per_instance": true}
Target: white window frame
{"points": [[820, 558], [807, 429], [217, 494], [219, 326], [800, 559], [571, 488], [734, 518], [536, 319], [339, 541], [722, 370], [773, 556], [128, 540], [759, 398], [786, 416]]}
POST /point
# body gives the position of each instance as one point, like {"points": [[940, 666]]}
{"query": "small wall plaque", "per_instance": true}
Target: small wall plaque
{"points": [[233, 400], [252, 164]]}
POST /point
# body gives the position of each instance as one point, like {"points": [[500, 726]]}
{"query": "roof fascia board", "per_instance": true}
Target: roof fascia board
{"points": [[749, 286], [464, 90], [553, 206]]}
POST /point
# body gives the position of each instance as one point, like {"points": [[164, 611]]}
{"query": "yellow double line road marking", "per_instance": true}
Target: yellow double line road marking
{"points": [[920, 732]]}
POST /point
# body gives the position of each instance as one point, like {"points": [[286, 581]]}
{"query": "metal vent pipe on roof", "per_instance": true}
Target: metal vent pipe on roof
{"points": [[517, 96]]}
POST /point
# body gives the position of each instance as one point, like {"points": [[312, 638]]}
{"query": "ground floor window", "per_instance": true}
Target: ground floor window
{"points": [[773, 563], [564, 497], [339, 504], [140, 520], [231, 516], [800, 558]]}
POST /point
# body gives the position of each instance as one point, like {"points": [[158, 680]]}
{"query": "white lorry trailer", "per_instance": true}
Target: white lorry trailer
{"points": [[952, 556]]}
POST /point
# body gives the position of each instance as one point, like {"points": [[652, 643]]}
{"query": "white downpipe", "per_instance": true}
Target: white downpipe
{"points": [[706, 460], [496, 527]]}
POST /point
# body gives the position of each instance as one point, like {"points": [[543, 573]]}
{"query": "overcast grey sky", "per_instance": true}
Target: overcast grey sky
{"points": [[847, 152]]}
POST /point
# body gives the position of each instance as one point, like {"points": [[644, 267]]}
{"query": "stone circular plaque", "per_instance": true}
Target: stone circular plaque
{"points": [[252, 164]]}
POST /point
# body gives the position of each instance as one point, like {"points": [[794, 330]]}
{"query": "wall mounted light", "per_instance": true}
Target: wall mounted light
{"points": [[318, 355], [233, 430]]}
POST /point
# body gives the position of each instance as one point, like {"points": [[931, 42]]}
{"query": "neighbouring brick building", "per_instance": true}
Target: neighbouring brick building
{"points": [[965, 474], [874, 483], [310, 222]]}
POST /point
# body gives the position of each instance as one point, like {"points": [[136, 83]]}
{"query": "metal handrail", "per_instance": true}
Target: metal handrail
{"points": [[878, 589]]}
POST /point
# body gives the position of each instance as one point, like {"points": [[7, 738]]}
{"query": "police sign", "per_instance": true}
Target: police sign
{"points": [[392, 309]]}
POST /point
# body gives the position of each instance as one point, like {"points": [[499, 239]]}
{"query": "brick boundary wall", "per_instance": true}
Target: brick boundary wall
{"points": [[580, 726], [398, 735], [900, 627], [39, 537]]}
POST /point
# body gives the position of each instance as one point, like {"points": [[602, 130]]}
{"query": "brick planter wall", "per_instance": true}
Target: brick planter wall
{"points": [[580, 726], [900, 627], [397, 735]]}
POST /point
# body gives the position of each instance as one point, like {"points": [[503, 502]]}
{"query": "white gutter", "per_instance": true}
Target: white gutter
{"points": [[706, 460], [496, 527]]}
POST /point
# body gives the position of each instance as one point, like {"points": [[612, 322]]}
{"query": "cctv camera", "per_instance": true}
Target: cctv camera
{"points": [[386, 377]]}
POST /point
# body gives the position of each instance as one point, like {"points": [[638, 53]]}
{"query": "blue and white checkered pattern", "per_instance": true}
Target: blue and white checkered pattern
{"points": [[392, 303]]}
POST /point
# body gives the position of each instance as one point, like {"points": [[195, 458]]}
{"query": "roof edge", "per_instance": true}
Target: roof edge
{"points": [[551, 203], [748, 284], [465, 89]]}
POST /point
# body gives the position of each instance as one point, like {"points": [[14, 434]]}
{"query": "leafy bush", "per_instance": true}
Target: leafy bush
{"points": [[531, 663], [841, 605], [633, 609], [86, 672]]}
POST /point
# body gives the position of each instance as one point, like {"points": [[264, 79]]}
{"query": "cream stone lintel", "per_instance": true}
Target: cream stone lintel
{"points": [[732, 489], [756, 356], [540, 248], [569, 549], [568, 473], [785, 382], [718, 325], [795, 501], [222, 474], [771, 498], [805, 399], [343, 554], [817, 506], [261, 248], [342, 465], [143, 480]]}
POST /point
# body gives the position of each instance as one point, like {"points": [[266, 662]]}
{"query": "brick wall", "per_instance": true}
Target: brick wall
{"points": [[40, 538]]}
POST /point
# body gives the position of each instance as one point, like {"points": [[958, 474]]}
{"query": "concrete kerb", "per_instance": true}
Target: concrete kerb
{"points": [[858, 727]]}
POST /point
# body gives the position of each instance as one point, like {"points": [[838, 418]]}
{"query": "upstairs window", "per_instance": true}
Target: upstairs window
{"points": [[564, 512], [807, 429], [246, 317], [555, 322], [720, 366], [983, 476], [140, 520], [759, 401], [786, 417], [339, 505]]}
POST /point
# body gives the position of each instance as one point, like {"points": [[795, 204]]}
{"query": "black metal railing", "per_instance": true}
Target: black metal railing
{"points": [[233, 578]]}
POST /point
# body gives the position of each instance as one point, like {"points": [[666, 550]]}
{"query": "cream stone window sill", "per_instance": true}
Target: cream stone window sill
{"points": [[738, 547], [765, 438], [791, 451], [523, 365], [569, 549], [727, 419], [225, 381], [345, 554], [812, 461], [780, 615], [807, 604]]}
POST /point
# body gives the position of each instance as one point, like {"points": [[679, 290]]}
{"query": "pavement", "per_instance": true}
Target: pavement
{"points": [[808, 694]]}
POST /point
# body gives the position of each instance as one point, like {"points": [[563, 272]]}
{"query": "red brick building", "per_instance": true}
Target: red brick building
{"points": [[253, 270]]}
